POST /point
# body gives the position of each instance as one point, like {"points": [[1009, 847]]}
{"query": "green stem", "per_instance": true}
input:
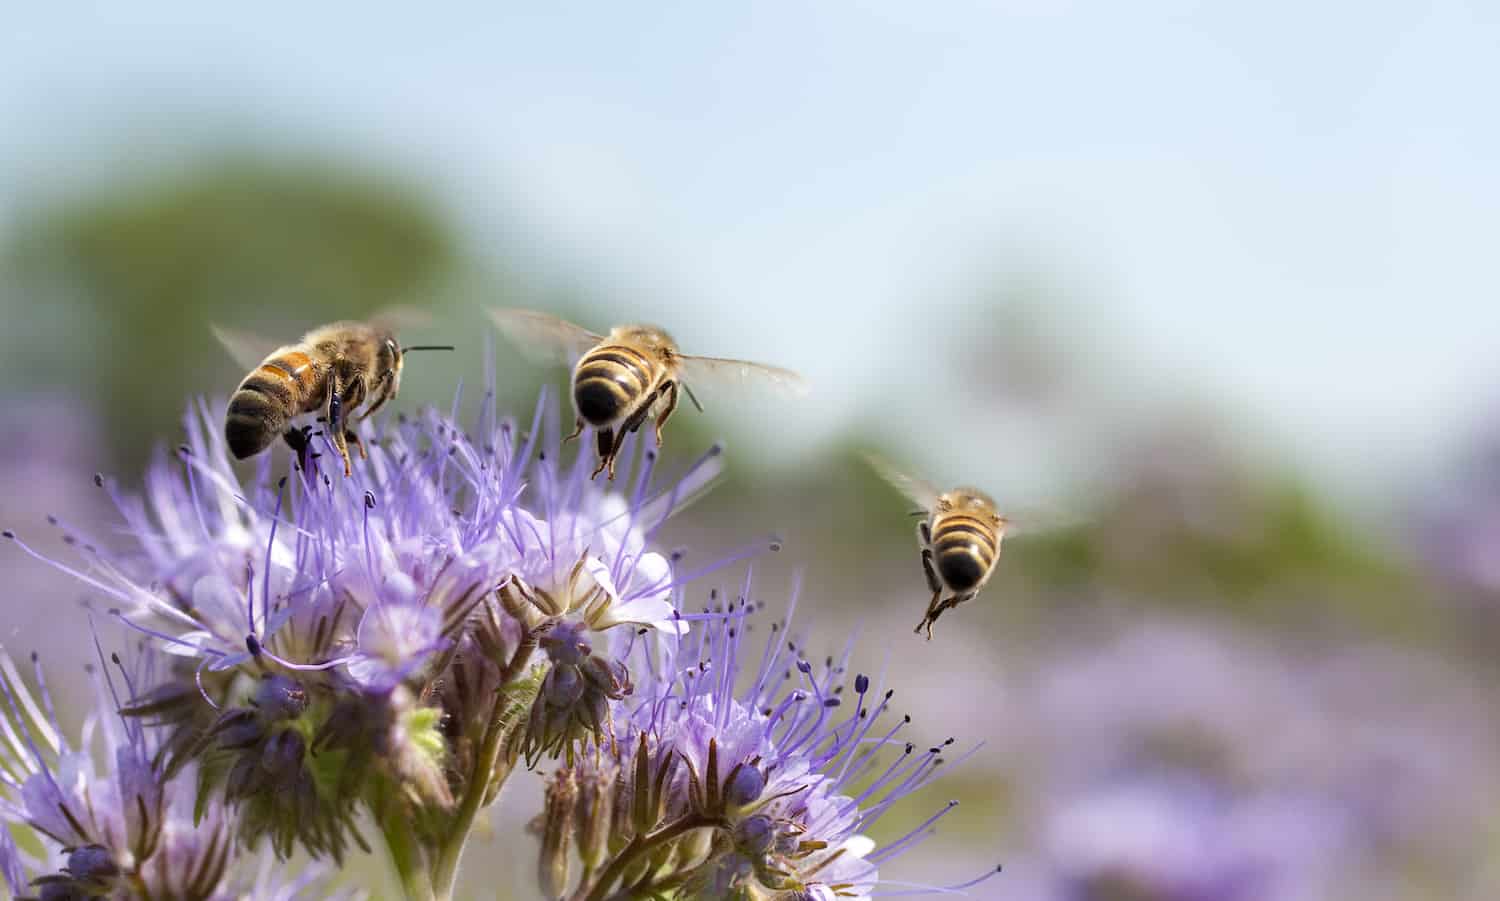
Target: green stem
{"points": [[482, 778], [406, 856], [638, 846]]}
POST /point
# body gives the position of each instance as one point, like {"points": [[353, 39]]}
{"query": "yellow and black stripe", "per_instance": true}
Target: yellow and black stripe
{"points": [[276, 391], [610, 381], [964, 548]]}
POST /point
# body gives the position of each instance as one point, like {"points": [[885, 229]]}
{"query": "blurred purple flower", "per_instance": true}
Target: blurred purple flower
{"points": [[1191, 763]]}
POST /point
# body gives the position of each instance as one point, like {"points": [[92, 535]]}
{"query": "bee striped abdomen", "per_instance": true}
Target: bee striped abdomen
{"points": [[265, 400], [609, 381], [964, 549]]}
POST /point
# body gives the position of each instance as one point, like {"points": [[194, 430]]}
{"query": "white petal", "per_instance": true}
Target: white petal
{"points": [[859, 846]]}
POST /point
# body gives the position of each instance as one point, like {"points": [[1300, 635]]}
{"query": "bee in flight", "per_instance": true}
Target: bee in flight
{"points": [[960, 539], [632, 374], [332, 370]]}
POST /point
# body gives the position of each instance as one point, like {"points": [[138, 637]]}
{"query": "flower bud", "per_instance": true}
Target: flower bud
{"points": [[282, 757], [61, 890], [564, 686], [557, 828], [597, 783], [744, 786], [93, 864], [755, 836], [280, 698]]}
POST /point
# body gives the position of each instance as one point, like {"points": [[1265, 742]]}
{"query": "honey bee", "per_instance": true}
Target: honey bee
{"points": [[333, 370], [632, 374], [960, 539]]}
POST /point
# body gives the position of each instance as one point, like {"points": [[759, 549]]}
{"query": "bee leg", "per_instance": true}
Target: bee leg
{"points": [[933, 584], [605, 439], [576, 432], [670, 391], [296, 439], [383, 392], [352, 437], [924, 534], [934, 606], [336, 423]]}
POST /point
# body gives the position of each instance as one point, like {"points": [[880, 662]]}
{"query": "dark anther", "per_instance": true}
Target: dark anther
{"points": [[775, 546], [99, 480], [252, 644], [889, 693], [114, 658], [910, 747], [861, 683], [9, 534], [184, 450], [906, 718], [369, 500], [804, 667], [831, 702]]}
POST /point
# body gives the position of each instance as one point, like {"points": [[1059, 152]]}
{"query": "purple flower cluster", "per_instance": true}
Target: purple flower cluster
{"points": [[109, 821], [391, 646], [1185, 762]]}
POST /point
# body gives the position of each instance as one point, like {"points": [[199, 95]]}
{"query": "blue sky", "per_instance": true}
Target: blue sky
{"points": [[1285, 208]]}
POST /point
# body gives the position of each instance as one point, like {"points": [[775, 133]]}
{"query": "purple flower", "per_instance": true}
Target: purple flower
{"points": [[752, 762], [126, 830], [1184, 762], [315, 572]]}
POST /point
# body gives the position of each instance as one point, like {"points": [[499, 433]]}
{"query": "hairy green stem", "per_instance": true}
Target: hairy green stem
{"points": [[482, 780], [637, 847], [406, 856]]}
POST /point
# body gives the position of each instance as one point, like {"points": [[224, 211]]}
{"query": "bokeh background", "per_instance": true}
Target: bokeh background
{"points": [[1211, 285]]}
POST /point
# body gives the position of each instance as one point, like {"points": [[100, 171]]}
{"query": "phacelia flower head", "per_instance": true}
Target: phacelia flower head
{"points": [[340, 640], [123, 829], [748, 775]]}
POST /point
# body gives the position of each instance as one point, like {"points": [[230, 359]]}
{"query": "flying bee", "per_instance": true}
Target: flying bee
{"points": [[633, 374], [960, 538], [332, 370]]}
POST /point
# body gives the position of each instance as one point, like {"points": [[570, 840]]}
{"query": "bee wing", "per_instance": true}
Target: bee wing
{"points": [[736, 373], [1028, 521], [921, 491], [401, 318], [247, 349], [543, 337]]}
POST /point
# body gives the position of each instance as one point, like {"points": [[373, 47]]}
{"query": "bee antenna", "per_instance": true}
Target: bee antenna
{"points": [[692, 397], [428, 347], [917, 513]]}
